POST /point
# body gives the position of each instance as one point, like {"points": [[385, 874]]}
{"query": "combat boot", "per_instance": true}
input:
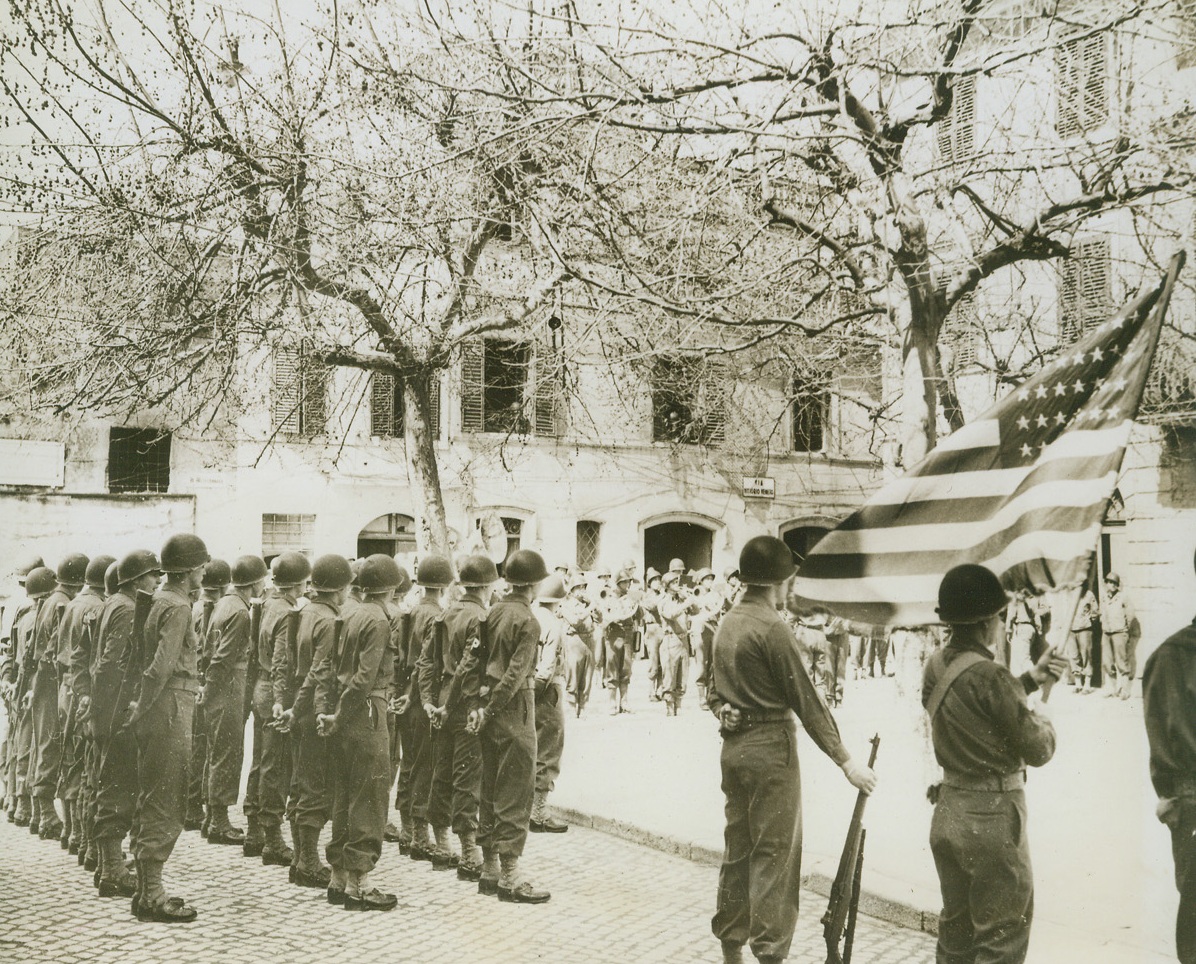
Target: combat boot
{"points": [[220, 831], [614, 701], [254, 840], [275, 852], [513, 888], [22, 814], [153, 904], [35, 817], [115, 879], [91, 859], [308, 871], [469, 865], [420, 847], [51, 826], [443, 857], [359, 895], [75, 839], [623, 707], [488, 881], [542, 821], [732, 952]]}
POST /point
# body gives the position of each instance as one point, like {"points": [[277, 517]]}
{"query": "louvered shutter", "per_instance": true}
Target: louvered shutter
{"points": [[434, 404], [964, 117], [382, 404], [287, 391], [548, 390], [314, 411], [1067, 86], [473, 375], [1094, 93], [716, 395], [1069, 300], [1095, 296]]}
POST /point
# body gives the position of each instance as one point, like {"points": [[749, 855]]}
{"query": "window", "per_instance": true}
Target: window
{"points": [[514, 529], [1085, 299], [1082, 99], [811, 411], [588, 536], [300, 396], [955, 131], [138, 460], [499, 393], [283, 533], [386, 405], [961, 335], [688, 400], [1185, 44]]}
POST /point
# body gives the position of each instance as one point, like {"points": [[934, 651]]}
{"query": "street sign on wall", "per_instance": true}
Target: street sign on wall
{"points": [[755, 487], [31, 462]]}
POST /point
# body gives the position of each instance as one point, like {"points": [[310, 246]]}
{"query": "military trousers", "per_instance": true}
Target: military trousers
{"points": [[163, 749], [982, 855], [1079, 654], [198, 764], [274, 767], [415, 767], [508, 775], [224, 715], [616, 667], [456, 776], [70, 765], [760, 875], [20, 739], [311, 793], [674, 660], [550, 736], [579, 668], [361, 787], [653, 636], [1183, 848], [46, 748], [115, 785]]}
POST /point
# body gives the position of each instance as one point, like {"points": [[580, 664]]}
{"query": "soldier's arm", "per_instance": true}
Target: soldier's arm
{"points": [[171, 633], [549, 655], [520, 666], [315, 645], [280, 661], [425, 665], [373, 644], [1003, 699], [81, 655], [229, 641], [1169, 706], [788, 668]]}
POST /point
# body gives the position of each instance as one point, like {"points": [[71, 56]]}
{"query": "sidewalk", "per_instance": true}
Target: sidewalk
{"points": [[1104, 891]]}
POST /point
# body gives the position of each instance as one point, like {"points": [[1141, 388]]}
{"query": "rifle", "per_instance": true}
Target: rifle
{"points": [[845, 891], [133, 668]]}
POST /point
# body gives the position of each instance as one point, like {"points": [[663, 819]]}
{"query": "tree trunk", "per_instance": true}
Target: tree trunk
{"points": [[423, 472]]}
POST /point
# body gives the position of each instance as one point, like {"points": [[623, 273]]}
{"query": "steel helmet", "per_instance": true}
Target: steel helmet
{"points": [[40, 582], [650, 574], [27, 566], [677, 566], [217, 575], [1113, 578], [765, 561], [135, 565], [552, 589], [247, 570], [183, 552], [289, 569], [731, 572], [670, 579], [378, 573], [435, 572], [703, 574], [524, 567], [478, 571], [970, 594], [111, 579], [330, 573], [72, 571], [624, 575], [96, 569]]}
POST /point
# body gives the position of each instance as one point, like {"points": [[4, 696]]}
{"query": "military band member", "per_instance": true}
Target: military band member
{"points": [[620, 630], [229, 646], [506, 721], [653, 631], [550, 716], [676, 603], [579, 652], [216, 578], [161, 718]]}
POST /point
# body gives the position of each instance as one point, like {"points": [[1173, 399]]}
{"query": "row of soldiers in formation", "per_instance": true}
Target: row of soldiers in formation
{"points": [[119, 682]]}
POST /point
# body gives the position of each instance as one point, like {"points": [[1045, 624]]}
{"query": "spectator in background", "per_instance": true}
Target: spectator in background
{"points": [[1119, 633], [1079, 641]]}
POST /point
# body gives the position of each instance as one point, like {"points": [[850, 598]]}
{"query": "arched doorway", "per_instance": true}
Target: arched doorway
{"points": [[388, 534], [690, 542], [801, 537]]}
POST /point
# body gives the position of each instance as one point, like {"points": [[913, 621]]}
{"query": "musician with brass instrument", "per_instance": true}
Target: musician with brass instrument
{"points": [[621, 619], [676, 605]]}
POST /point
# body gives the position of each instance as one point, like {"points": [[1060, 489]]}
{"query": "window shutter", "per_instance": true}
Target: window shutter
{"points": [[1094, 93], [548, 390], [434, 404], [315, 395], [955, 135], [1095, 285], [286, 393], [1069, 300], [716, 395], [382, 404], [473, 375]]}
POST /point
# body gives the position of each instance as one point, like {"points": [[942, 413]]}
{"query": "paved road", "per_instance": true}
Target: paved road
{"points": [[613, 901]]}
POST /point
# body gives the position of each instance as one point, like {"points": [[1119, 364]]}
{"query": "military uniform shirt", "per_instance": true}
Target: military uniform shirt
{"points": [[228, 637], [169, 630], [514, 634], [317, 631], [1169, 701]]}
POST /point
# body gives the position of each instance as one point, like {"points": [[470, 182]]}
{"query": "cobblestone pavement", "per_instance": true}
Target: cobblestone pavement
{"points": [[613, 901]]}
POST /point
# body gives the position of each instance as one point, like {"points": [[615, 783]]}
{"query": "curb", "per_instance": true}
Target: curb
{"points": [[871, 904]]}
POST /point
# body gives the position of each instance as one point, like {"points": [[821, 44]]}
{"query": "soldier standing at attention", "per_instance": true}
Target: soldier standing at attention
{"points": [[351, 706], [310, 793], [289, 572], [228, 645], [116, 746], [39, 584], [675, 606], [11, 614], [621, 620], [434, 575], [216, 578], [46, 752], [759, 684], [1120, 628], [161, 718], [985, 735], [549, 683], [507, 722], [1169, 703]]}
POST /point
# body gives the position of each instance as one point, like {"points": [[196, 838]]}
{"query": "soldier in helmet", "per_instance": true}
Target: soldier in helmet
{"points": [[653, 630], [676, 606], [550, 717], [76, 636], [985, 735], [579, 651], [113, 680], [506, 721], [289, 572], [621, 620], [314, 643], [216, 578], [228, 644], [450, 692], [46, 758], [10, 614], [351, 705], [759, 690], [161, 718], [40, 582], [419, 653]]}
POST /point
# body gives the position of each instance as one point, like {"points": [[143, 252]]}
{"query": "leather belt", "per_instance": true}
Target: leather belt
{"points": [[993, 782], [756, 717]]}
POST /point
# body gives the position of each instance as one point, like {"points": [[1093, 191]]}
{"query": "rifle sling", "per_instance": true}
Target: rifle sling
{"points": [[980, 728]]}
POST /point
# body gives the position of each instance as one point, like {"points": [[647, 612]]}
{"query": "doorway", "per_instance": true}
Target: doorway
{"points": [[801, 539], [693, 544], [387, 535]]}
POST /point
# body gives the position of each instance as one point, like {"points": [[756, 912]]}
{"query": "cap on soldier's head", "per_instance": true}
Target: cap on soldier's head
{"points": [[247, 570], [331, 573], [27, 566], [289, 569], [40, 582], [552, 589], [136, 564], [96, 570], [379, 573], [765, 561], [677, 566], [72, 571], [970, 594], [477, 572], [217, 574], [524, 567], [112, 578], [434, 572], [183, 552]]}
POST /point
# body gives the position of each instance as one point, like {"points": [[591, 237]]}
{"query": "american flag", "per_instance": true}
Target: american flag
{"points": [[1021, 490]]}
